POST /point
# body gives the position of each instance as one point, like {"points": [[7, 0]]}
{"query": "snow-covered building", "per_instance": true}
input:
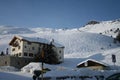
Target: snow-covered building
{"points": [[29, 47], [92, 64]]}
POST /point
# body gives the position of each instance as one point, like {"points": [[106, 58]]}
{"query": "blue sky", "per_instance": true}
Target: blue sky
{"points": [[57, 13]]}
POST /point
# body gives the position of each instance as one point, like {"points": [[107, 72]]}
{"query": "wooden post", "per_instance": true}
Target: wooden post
{"points": [[42, 71], [42, 64]]}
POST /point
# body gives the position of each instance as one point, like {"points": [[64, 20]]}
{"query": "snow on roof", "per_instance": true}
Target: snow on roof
{"points": [[57, 44], [92, 61], [40, 40]]}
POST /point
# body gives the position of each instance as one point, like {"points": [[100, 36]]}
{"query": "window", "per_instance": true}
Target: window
{"points": [[33, 48], [13, 49], [25, 54], [5, 62], [25, 46], [25, 61], [60, 51], [19, 54], [60, 57], [39, 48], [18, 63], [86, 64], [40, 45], [31, 54], [19, 47]]}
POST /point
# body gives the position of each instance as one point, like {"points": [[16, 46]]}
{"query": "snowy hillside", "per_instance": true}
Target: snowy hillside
{"points": [[109, 28], [80, 42]]}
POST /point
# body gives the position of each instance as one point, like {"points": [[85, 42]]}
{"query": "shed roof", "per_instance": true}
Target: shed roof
{"points": [[92, 60]]}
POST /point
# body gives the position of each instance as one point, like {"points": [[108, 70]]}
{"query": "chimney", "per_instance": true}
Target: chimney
{"points": [[52, 41]]}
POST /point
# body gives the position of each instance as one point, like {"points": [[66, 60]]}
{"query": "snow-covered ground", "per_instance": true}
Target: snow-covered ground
{"points": [[89, 42]]}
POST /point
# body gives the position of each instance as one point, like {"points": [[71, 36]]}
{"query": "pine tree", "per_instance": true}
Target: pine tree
{"points": [[50, 56], [7, 51], [118, 36]]}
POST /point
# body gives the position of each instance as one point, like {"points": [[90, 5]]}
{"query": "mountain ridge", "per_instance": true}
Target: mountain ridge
{"points": [[108, 28], [13, 30]]}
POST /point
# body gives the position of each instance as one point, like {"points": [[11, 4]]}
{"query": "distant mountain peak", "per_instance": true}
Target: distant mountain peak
{"points": [[13, 30], [92, 22], [108, 28]]}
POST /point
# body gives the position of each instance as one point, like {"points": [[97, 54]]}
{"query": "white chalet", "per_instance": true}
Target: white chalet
{"points": [[28, 47]]}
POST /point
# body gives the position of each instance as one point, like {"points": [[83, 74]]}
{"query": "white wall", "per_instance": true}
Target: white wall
{"points": [[60, 53]]}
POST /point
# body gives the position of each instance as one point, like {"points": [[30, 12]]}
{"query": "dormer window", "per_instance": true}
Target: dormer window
{"points": [[13, 49], [15, 44]]}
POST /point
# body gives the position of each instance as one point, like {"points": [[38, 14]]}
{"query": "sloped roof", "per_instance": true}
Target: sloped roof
{"points": [[57, 44], [92, 60], [38, 40]]}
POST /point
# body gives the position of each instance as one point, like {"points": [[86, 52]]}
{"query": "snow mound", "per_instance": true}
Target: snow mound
{"points": [[31, 67], [37, 66]]}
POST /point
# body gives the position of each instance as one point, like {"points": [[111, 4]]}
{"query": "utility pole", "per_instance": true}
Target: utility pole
{"points": [[42, 64]]}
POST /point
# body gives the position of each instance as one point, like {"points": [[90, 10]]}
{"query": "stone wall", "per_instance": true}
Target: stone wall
{"points": [[4, 60], [17, 62]]}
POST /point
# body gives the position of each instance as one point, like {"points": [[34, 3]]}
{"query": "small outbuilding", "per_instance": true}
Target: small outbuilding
{"points": [[92, 64]]}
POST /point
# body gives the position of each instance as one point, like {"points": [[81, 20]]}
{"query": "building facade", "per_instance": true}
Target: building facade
{"points": [[29, 47]]}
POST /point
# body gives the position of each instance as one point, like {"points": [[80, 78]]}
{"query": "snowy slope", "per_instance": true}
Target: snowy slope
{"points": [[106, 27], [80, 42]]}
